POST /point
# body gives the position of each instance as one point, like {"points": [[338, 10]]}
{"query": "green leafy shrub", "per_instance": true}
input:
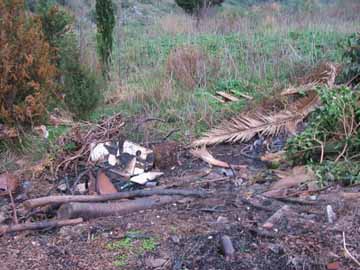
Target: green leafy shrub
{"points": [[82, 91], [80, 86], [105, 22], [332, 127], [351, 58], [330, 144], [346, 172]]}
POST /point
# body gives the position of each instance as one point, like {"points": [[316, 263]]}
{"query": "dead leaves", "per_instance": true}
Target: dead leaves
{"points": [[289, 179], [8, 183]]}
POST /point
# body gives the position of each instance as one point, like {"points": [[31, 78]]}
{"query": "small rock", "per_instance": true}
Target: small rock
{"points": [[275, 248], [175, 239], [227, 246], [2, 217], [313, 197], [155, 263], [222, 219], [331, 215], [226, 172], [333, 266]]}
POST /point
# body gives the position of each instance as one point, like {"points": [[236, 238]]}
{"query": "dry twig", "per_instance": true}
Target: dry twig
{"points": [[348, 252], [39, 225]]}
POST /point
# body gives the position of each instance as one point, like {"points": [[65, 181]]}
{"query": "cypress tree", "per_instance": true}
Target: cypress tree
{"points": [[105, 23]]}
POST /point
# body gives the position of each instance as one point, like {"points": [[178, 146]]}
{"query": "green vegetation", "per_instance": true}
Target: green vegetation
{"points": [[131, 248], [195, 7], [105, 22], [170, 66], [331, 137], [351, 59]]}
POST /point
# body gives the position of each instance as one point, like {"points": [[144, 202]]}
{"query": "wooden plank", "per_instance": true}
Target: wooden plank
{"points": [[227, 96]]}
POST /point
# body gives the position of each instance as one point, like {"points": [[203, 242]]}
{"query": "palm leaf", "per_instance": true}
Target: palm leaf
{"points": [[245, 127]]}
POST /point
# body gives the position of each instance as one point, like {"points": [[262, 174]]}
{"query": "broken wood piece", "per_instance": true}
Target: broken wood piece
{"points": [[227, 246], [110, 197], [39, 225], [103, 184], [242, 95], [218, 99], [95, 210], [279, 214], [227, 96], [205, 155], [143, 178]]}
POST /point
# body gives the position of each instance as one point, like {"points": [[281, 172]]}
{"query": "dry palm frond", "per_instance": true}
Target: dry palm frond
{"points": [[325, 74], [245, 127], [300, 89]]}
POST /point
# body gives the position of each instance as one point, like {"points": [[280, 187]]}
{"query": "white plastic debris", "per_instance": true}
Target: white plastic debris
{"points": [[112, 160], [145, 177], [99, 151], [42, 131], [62, 187], [81, 188], [136, 150], [331, 215]]}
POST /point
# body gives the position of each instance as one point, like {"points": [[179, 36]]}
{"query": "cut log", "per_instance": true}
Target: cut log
{"points": [[39, 225], [111, 197], [95, 210]]}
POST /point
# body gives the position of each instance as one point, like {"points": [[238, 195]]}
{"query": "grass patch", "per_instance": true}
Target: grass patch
{"points": [[130, 248]]}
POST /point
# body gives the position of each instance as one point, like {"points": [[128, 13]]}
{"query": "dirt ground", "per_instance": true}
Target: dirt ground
{"points": [[187, 234]]}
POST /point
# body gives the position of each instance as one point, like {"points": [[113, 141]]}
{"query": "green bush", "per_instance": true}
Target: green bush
{"points": [[333, 126], [82, 91], [351, 58], [80, 86]]}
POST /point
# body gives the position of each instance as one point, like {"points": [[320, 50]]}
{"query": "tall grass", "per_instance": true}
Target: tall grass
{"points": [[258, 48]]}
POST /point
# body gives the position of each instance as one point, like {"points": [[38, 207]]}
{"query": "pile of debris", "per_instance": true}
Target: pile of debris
{"points": [[101, 167]]}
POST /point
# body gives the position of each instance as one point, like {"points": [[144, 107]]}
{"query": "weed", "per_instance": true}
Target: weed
{"points": [[132, 247], [125, 243], [149, 244], [121, 260]]}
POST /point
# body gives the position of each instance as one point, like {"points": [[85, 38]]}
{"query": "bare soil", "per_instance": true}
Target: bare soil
{"points": [[187, 234]]}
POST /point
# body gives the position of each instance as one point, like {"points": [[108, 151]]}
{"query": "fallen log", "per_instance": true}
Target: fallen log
{"points": [[111, 197], [95, 210], [39, 225]]}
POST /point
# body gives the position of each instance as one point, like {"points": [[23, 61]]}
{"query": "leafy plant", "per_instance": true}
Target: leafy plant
{"points": [[346, 172], [351, 58], [332, 132], [82, 91]]}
